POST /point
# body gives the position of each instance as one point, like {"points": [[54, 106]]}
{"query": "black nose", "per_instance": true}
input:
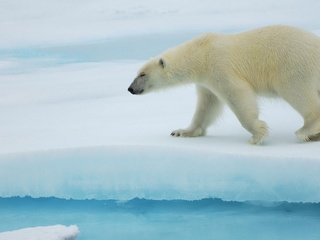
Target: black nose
{"points": [[130, 89]]}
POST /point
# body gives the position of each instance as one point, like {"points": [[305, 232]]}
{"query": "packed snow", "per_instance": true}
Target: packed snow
{"points": [[80, 135], [57, 232]]}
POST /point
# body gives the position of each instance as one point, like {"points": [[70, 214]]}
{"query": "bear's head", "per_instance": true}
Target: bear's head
{"points": [[152, 76]]}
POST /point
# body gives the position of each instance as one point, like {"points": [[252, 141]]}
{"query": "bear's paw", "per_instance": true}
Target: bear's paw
{"points": [[189, 132]]}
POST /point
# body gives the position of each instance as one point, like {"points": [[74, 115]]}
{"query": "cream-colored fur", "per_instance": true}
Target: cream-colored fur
{"points": [[234, 69]]}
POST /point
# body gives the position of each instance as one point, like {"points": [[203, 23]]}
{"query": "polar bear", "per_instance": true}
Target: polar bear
{"points": [[234, 69]]}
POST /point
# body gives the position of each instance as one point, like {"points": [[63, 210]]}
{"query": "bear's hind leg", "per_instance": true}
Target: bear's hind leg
{"points": [[307, 103], [207, 111], [311, 128]]}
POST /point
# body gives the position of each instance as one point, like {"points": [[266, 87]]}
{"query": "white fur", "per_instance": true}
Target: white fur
{"points": [[234, 69]]}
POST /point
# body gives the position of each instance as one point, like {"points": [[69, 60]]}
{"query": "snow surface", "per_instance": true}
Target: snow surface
{"points": [[57, 232], [69, 128], [73, 131], [64, 21]]}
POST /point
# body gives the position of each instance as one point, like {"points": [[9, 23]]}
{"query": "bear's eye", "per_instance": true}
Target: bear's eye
{"points": [[142, 74]]}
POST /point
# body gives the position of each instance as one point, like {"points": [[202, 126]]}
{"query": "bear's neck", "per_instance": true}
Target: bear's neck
{"points": [[190, 64]]}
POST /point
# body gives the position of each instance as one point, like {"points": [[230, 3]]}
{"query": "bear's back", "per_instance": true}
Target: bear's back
{"points": [[267, 56]]}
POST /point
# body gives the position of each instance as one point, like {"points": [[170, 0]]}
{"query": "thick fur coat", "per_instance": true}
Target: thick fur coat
{"points": [[234, 69]]}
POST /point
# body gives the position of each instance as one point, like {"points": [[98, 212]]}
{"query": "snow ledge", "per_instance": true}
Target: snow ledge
{"points": [[56, 232]]}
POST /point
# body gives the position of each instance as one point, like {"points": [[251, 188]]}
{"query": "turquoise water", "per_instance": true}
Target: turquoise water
{"points": [[174, 219]]}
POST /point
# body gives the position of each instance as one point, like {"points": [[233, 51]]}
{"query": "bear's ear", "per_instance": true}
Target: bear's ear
{"points": [[162, 63]]}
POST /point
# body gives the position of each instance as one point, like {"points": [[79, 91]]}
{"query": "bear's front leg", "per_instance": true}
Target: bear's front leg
{"points": [[208, 109]]}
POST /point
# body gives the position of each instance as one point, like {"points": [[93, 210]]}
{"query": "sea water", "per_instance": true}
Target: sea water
{"points": [[168, 219]]}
